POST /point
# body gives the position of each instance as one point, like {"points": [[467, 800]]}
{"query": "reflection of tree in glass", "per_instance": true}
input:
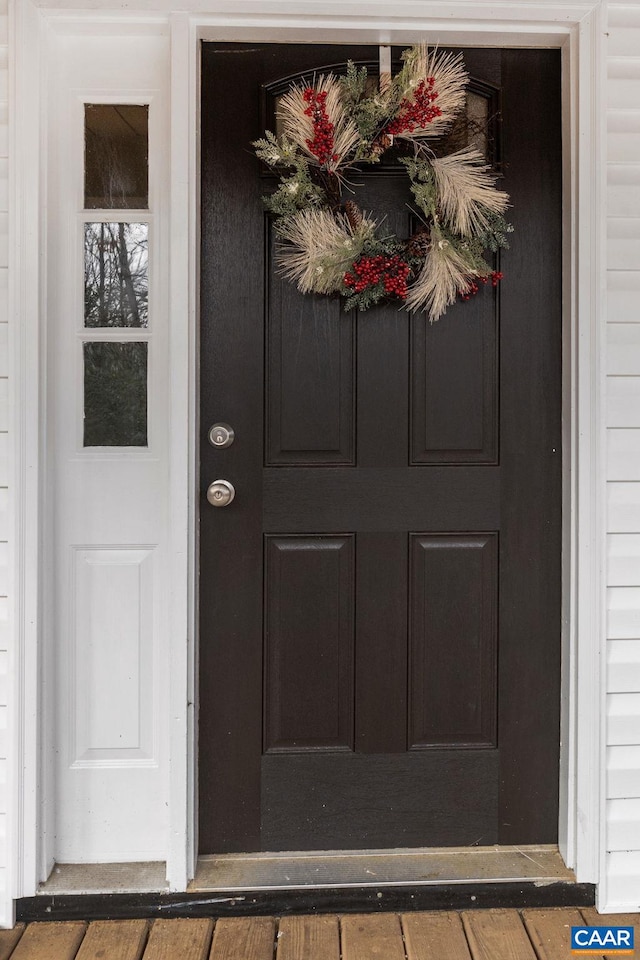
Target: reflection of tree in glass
{"points": [[115, 394], [116, 284]]}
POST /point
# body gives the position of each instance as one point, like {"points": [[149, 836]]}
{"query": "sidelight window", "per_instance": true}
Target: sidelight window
{"points": [[115, 338], [116, 156], [116, 274]]}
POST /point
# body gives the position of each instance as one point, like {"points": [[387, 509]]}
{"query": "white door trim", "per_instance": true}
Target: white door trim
{"points": [[578, 28], [27, 430]]}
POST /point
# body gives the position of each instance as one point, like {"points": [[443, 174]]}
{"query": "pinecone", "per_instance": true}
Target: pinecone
{"points": [[418, 244], [354, 214], [380, 144]]}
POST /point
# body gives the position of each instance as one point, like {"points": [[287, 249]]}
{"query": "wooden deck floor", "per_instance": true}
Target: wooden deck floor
{"points": [[473, 935]]}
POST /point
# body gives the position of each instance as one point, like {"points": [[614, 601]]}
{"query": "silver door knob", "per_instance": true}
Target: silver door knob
{"points": [[220, 493]]}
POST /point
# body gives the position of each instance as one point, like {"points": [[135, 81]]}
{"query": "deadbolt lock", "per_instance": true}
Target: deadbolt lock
{"points": [[221, 435]]}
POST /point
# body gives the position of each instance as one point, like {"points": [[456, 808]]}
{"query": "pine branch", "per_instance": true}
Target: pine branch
{"points": [[319, 247], [423, 185], [297, 120], [369, 113], [445, 274], [450, 83], [296, 192], [276, 152], [495, 236], [467, 194]]}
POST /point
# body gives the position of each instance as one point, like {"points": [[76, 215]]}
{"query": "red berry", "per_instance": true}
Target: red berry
{"points": [[392, 272], [418, 113], [322, 143]]}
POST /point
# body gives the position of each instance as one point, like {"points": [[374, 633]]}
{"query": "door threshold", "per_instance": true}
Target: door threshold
{"points": [[318, 869], [88, 878], [352, 881], [426, 866]]}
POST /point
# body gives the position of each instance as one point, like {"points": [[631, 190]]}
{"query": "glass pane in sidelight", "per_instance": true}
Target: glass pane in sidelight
{"points": [[116, 274], [116, 156], [115, 394]]}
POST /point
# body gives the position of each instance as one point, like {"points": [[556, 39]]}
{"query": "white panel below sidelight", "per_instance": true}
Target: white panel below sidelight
{"points": [[113, 657], [111, 776]]}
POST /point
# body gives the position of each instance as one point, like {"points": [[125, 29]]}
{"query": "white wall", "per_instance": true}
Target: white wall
{"points": [[4, 466], [623, 435]]}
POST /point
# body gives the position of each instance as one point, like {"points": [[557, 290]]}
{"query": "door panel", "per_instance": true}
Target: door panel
{"points": [[309, 385], [379, 661], [455, 419], [452, 642], [374, 801], [308, 656]]}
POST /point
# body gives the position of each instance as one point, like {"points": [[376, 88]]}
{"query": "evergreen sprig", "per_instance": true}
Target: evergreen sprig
{"points": [[495, 237], [470, 250], [369, 113], [423, 185], [295, 192], [276, 151]]}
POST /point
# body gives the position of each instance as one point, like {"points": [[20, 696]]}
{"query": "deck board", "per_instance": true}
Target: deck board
{"points": [[244, 938], [434, 936], [115, 939], [375, 936], [55, 941], [595, 919], [532, 934], [9, 939], [497, 935], [179, 940], [314, 938], [550, 932]]}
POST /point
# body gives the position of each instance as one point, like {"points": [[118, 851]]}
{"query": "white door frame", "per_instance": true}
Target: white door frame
{"points": [[579, 29]]}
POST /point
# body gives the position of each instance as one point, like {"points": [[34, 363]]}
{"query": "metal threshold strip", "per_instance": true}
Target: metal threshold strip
{"points": [[322, 869], [380, 868]]}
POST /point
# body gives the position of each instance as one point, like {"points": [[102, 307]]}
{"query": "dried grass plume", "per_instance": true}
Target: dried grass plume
{"points": [[444, 275], [467, 192], [298, 127], [319, 248], [450, 82]]}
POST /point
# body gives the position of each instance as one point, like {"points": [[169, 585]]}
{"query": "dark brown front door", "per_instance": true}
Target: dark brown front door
{"points": [[380, 604]]}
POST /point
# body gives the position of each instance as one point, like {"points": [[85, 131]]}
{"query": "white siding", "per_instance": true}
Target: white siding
{"points": [[622, 887], [4, 163]]}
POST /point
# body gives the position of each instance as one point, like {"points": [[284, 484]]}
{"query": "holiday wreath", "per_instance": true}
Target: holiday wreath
{"points": [[330, 246]]}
